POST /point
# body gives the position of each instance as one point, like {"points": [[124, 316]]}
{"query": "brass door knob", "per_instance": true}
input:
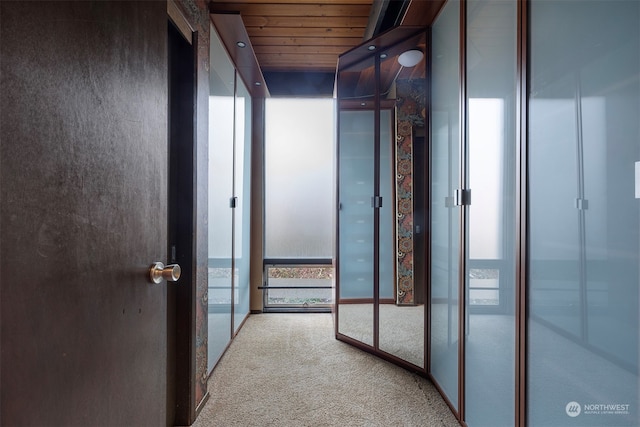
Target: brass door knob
{"points": [[158, 272]]}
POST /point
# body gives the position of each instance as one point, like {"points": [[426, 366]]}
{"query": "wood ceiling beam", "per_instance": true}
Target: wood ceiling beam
{"points": [[305, 21], [297, 2], [299, 50], [300, 60], [304, 32], [342, 42], [310, 10]]}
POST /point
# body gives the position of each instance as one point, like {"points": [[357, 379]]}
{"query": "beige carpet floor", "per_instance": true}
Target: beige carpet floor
{"points": [[289, 370]]}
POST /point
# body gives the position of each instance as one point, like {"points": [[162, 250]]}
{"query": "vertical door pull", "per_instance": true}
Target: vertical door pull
{"points": [[462, 197]]}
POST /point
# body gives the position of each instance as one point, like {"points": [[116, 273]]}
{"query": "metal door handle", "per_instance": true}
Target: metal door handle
{"points": [[170, 273]]}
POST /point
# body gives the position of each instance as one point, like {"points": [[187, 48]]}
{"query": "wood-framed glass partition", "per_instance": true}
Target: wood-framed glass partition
{"points": [[381, 117], [229, 207]]}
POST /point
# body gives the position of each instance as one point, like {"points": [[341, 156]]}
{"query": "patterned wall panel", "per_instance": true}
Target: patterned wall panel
{"points": [[410, 114]]}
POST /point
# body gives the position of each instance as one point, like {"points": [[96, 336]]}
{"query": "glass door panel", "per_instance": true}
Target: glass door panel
{"points": [[221, 112], [377, 302], [242, 211], [445, 216], [584, 225], [490, 229]]}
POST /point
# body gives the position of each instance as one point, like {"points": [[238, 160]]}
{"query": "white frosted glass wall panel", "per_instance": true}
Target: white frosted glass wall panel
{"points": [[220, 176], [486, 176], [299, 178]]}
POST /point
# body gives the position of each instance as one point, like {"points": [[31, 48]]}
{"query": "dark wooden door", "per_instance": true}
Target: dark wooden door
{"points": [[83, 213]]}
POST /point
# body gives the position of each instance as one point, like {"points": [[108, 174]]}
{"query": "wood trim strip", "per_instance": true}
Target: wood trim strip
{"points": [[464, 210], [365, 301], [181, 23], [281, 9], [521, 216], [428, 216]]}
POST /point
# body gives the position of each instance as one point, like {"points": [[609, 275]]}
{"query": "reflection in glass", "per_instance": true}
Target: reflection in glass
{"points": [[376, 279], [584, 216], [356, 245], [398, 335], [401, 315], [445, 217]]}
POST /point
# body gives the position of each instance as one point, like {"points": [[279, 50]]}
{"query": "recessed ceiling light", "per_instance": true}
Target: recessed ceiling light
{"points": [[383, 56], [258, 84], [241, 44], [371, 48]]}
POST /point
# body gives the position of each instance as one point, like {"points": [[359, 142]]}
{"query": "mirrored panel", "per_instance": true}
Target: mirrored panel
{"points": [[381, 100], [356, 224], [403, 102]]}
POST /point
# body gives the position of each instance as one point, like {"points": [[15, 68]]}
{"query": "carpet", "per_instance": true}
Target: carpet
{"points": [[289, 370]]}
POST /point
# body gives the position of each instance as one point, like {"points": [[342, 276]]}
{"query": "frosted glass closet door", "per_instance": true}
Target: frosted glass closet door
{"points": [[584, 234], [220, 232], [445, 217], [491, 224]]}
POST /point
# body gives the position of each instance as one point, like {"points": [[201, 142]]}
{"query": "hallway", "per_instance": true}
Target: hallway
{"points": [[289, 370]]}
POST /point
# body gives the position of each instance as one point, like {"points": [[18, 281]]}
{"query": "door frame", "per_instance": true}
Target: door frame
{"points": [[181, 245]]}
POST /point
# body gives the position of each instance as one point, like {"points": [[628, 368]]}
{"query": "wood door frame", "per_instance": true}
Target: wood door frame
{"points": [[181, 248]]}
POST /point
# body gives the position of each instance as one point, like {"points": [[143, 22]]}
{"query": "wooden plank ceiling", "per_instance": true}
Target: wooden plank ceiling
{"points": [[300, 35]]}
